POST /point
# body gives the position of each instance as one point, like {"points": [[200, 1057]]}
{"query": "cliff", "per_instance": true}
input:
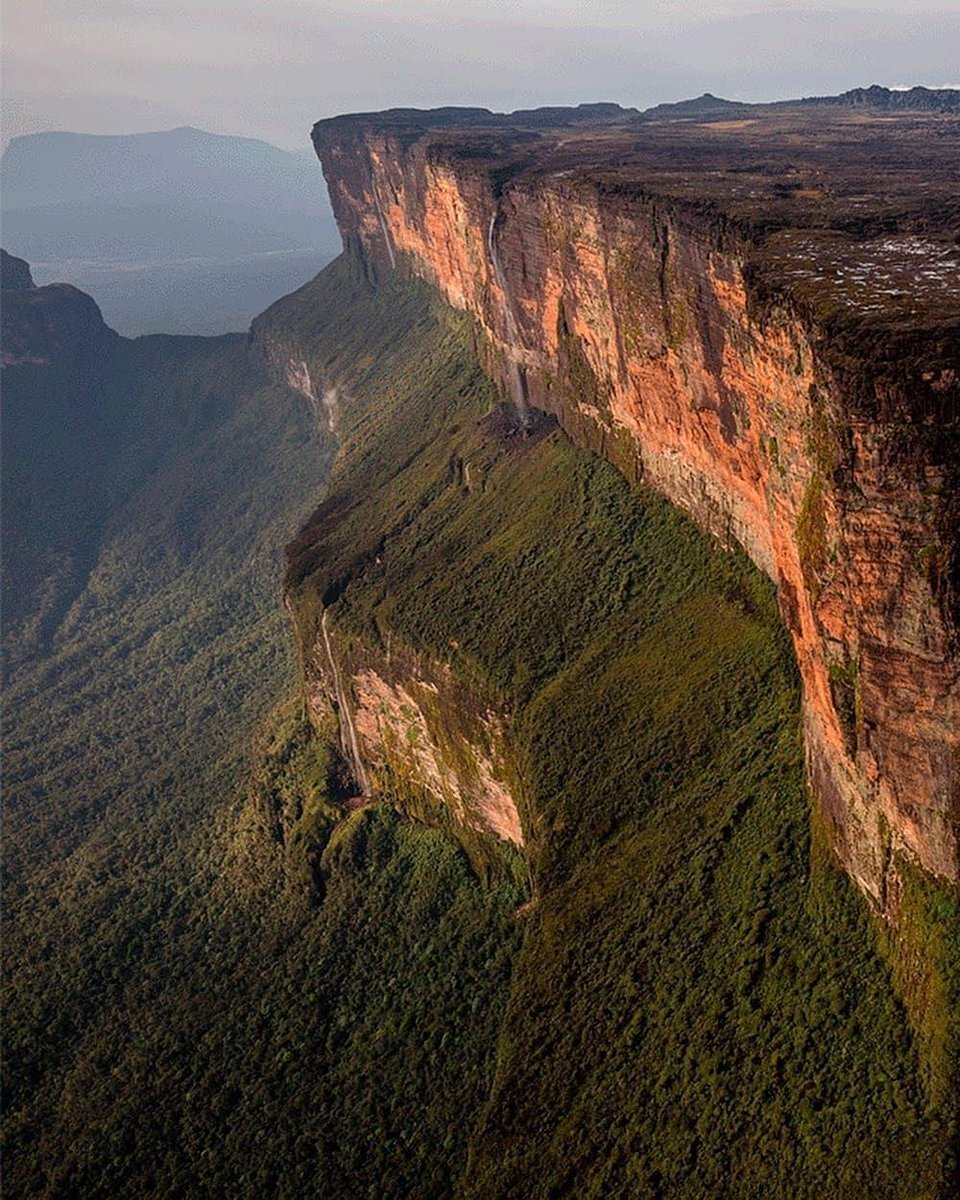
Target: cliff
{"points": [[760, 318], [689, 1001], [436, 740], [411, 729], [519, 643]]}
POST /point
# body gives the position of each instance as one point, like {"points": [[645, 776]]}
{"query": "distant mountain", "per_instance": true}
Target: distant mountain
{"points": [[919, 99], [706, 105], [181, 231], [177, 166]]}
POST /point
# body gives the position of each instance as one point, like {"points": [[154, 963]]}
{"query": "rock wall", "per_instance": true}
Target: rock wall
{"points": [[635, 321], [412, 731]]}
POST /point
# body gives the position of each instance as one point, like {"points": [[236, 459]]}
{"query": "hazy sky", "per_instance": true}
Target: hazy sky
{"points": [[271, 69]]}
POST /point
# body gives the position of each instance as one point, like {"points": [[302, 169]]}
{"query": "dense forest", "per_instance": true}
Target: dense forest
{"points": [[222, 980]]}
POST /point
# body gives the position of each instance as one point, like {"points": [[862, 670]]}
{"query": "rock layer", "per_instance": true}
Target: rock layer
{"points": [[711, 359]]}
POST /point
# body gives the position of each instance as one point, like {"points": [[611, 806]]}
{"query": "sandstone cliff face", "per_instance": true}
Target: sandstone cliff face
{"points": [[637, 322], [410, 730]]}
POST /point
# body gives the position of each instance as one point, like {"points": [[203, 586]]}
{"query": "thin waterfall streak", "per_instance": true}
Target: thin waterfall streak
{"points": [[383, 222], [513, 333], [348, 734]]}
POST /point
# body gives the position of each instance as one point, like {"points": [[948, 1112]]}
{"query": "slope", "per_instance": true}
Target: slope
{"points": [[173, 1007], [701, 1005], [294, 992]]}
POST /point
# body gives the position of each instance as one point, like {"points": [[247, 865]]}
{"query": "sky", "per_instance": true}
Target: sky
{"points": [[270, 69]]}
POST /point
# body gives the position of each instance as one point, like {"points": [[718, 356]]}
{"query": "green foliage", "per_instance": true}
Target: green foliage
{"points": [[812, 534], [823, 435], [182, 1014], [845, 693], [692, 1017], [294, 788], [699, 1007], [129, 707], [578, 380], [925, 953]]}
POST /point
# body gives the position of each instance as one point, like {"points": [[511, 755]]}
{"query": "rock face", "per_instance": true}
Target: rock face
{"points": [[754, 326], [409, 728], [14, 273]]}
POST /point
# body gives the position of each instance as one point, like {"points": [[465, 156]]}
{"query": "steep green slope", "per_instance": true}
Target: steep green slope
{"points": [[168, 622], [181, 1019], [214, 995], [700, 1007]]}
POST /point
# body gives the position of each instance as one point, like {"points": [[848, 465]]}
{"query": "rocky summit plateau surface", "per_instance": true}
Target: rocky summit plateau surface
{"points": [[756, 310]]}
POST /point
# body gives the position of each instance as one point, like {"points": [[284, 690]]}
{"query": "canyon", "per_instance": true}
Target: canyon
{"points": [[760, 318]]}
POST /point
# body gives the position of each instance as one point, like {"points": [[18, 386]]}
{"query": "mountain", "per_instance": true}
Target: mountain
{"points": [[176, 231], [259, 930], [875, 97], [706, 105], [15, 273], [531, 651], [177, 165], [759, 319], [593, 832], [915, 99], [789, 220], [54, 324]]}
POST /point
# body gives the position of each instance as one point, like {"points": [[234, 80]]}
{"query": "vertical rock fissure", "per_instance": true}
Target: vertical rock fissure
{"points": [[375, 192], [517, 388], [662, 280], [348, 733]]}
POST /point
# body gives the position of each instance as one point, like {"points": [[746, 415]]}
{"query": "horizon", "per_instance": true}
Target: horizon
{"points": [[308, 150], [278, 73]]}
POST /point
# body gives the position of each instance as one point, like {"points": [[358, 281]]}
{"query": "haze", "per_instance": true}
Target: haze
{"points": [[270, 71]]}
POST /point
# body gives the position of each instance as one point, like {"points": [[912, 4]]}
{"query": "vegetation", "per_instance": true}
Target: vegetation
{"points": [[272, 996], [845, 692], [925, 953], [700, 1006], [183, 1017], [812, 535]]}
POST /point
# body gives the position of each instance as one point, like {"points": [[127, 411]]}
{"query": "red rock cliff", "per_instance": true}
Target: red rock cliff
{"points": [[695, 307]]}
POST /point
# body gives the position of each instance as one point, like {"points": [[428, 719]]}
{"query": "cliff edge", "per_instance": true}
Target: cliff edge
{"points": [[758, 314]]}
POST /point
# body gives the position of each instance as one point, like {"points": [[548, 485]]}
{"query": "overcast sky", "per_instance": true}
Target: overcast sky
{"points": [[271, 69]]}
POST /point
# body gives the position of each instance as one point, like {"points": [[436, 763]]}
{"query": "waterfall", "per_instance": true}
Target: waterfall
{"points": [[348, 734], [517, 388], [380, 217]]}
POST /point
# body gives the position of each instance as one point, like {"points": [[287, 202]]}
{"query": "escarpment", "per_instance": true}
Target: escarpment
{"points": [[761, 319], [517, 644], [397, 389]]}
